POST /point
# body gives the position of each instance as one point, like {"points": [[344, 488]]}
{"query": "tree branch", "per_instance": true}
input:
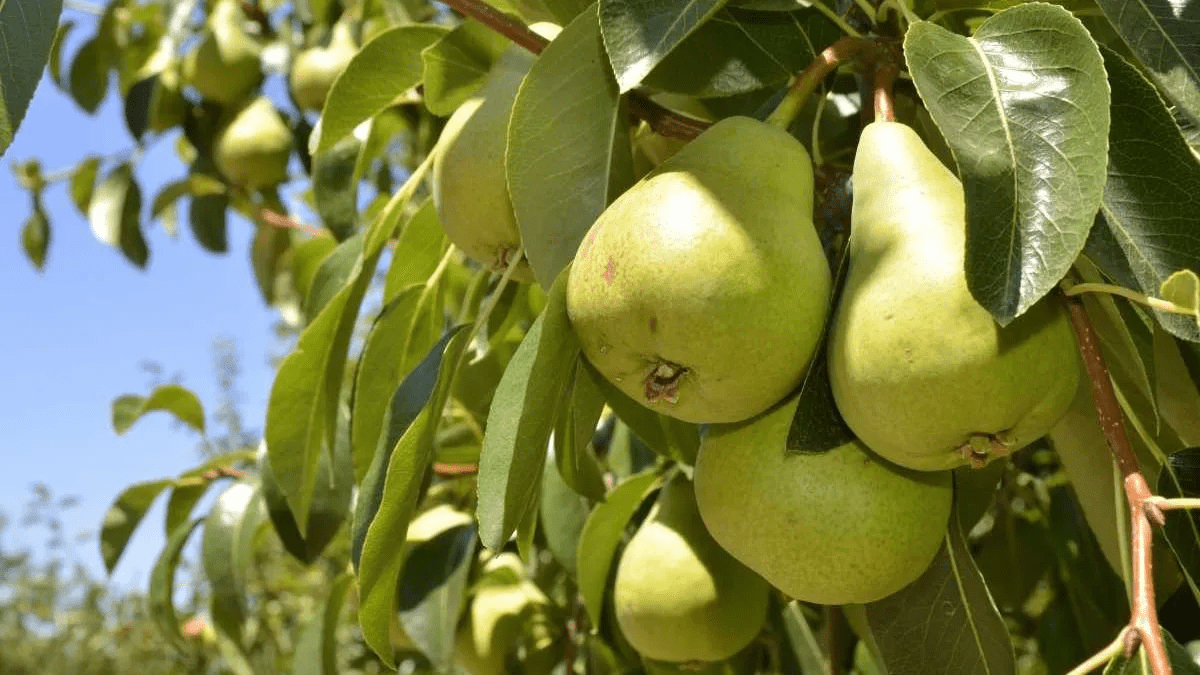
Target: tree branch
{"points": [[276, 219], [1143, 622]]}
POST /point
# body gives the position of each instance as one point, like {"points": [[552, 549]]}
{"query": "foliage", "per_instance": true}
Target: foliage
{"points": [[1073, 128]]}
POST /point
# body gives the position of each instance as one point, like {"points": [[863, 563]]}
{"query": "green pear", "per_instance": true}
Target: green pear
{"points": [[252, 150], [225, 66], [504, 618], [315, 69], [167, 106], [470, 188], [920, 370], [680, 597], [701, 292], [832, 528]]}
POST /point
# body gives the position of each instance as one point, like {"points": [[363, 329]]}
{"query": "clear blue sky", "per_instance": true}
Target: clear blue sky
{"points": [[72, 338]]}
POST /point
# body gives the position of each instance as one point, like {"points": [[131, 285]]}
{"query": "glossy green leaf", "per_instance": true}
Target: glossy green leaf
{"points": [[739, 51], [160, 598], [316, 648], [573, 433], [602, 534], [335, 180], [565, 168], [432, 591], [27, 31], [1162, 33], [124, 516], [1153, 178], [945, 621], [563, 513], [229, 532], [171, 398], [385, 67], [89, 74], [389, 492], [1030, 148], [457, 64], [206, 217], [638, 34], [522, 417], [332, 275], [307, 257], [114, 212], [35, 236], [83, 183], [423, 243]]}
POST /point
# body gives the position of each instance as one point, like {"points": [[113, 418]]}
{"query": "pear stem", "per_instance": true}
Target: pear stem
{"points": [[1151, 302], [662, 120], [1165, 504], [808, 81], [885, 104], [1143, 625]]}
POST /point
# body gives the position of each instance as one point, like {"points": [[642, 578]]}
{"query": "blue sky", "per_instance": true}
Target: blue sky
{"points": [[73, 337]]}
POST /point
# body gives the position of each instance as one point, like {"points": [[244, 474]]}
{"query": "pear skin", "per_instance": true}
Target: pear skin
{"points": [[832, 528], [702, 290], [920, 371], [225, 66], [315, 69], [252, 151], [680, 597]]}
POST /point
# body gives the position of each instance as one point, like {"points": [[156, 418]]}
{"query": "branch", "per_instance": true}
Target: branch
{"points": [[1143, 622], [276, 219]]}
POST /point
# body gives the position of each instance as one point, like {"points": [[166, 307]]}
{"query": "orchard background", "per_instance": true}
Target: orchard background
{"points": [[424, 463]]}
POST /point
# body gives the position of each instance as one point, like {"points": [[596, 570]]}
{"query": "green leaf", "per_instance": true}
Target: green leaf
{"points": [[457, 64], [563, 514], [332, 275], [307, 258], [1153, 177], [335, 186], [137, 106], [1030, 147], [1183, 289], [423, 243], [267, 251], [83, 183], [522, 417], [195, 184], [1180, 477], [89, 74], [381, 71], [1181, 660], [638, 34], [206, 216], [35, 236], [602, 534], [573, 433], [389, 492], [192, 484], [171, 398], [114, 214], [124, 516], [27, 31], [160, 598], [945, 621], [316, 649], [229, 532], [432, 591], [54, 67], [564, 169], [1162, 33], [739, 51]]}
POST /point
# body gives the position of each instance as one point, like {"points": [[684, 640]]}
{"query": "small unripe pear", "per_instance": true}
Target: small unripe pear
{"points": [[225, 66], [315, 69], [252, 151], [679, 596], [502, 618], [832, 528]]}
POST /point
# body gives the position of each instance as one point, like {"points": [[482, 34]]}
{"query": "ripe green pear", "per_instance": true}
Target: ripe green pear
{"points": [[920, 370], [702, 290], [315, 69], [470, 188], [504, 618], [252, 150], [832, 528], [225, 66], [680, 597]]}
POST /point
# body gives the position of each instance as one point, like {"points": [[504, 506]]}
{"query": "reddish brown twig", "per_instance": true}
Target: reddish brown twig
{"points": [[276, 219], [454, 470], [221, 472], [1143, 621]]}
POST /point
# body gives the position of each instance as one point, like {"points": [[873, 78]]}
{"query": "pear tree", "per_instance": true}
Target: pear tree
{"points": [[758, 337]]}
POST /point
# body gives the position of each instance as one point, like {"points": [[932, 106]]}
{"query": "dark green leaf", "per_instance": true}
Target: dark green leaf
{"points": [[27, 31], [739, 50], [114, 213], [563, 514], [638, 34], [206, 216], [83, 183], [89, 74], [160, 597], [1163, 35], [124, 516], [195, 184], [35, 236], [170, 398], [573, 433], [54, 67], [1182, 662], [522, 417], [331, 277], [564, 169], [316, 650], [1149, 206], [602, 534], [335, 186], [457, 64], [945, 621], [267, 252], [1030, 147], [432, 591], [137, 106], [382, 70]]}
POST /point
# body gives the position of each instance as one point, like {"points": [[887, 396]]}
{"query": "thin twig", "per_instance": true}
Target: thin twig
{"points": [[277, 219], [1174, 504], [1103, 656], [1129, 294], [807, 81], [1143, 622]]}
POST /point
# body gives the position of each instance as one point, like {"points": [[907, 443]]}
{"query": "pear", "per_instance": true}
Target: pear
{"points": [[470, 189], [167, 106], [314, 70], [505, 617], [680, 597], [225, 66], [252, 150], [920, 370], [832, 528], [702, 290]]}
